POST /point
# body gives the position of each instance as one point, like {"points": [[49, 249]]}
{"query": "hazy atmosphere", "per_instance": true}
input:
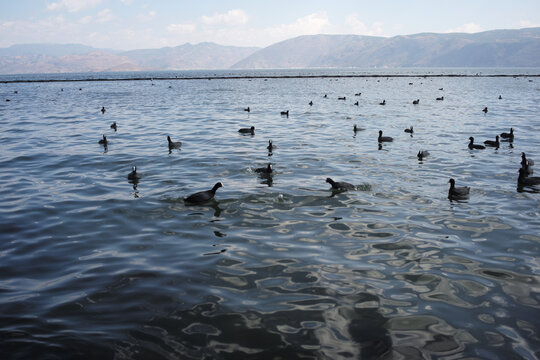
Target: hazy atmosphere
{"points": [[134, 24]]}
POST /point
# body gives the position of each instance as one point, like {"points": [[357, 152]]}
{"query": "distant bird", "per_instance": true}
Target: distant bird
{"points": [[113, 126], [384, 138], [173, 144], [508, 136], [358, 94], [356, 129], [356, 103], [440, 88], [133, 175], [103, 141], [103, 110], [325, 96], [264, 170], [422, 154], [409, 131], [15, 92], [342, 98], [383, 102], [250, 130], [285, 113], [340, 185], [416, 102], [500, 97], [485, 110], [472, 145], [247, 109], [203, 196], [457, 192], [440, 98], [524, 180], [492, 143], [7, 100], [310, 103], [270, 146]]}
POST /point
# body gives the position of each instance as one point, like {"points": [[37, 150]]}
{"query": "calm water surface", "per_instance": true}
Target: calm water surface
{"points": [[93, 266]]}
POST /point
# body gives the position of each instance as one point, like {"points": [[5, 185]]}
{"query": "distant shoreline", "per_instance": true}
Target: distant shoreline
{"points": [[233, 77]]}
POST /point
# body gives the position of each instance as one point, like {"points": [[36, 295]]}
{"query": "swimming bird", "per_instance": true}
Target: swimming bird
{"points": [[103, 110], [440, 88], [325, 96], [440, 98], [383, 102], [340, 185], [524, 180], [358, 94], [384, 138], [247, 109], [356, 103], [509, 136], [409, 131], [270, 146], [203, 196], [250, 130], [472, 145], [285, 113], [113, 126], [173, 144], [342, 98], [103, 141], [134, 175], [500, 97], [525, 161], [310, 103], [264, 170], [356, 129], [485, 110], [416, 102], [492, 143], [422, 154], [457, 192]]}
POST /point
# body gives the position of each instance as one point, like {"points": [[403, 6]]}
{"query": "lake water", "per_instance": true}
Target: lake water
{"points": [[94, 266]]}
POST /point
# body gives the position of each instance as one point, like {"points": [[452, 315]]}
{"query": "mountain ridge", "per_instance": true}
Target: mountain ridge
{"points": [[494, 48]]}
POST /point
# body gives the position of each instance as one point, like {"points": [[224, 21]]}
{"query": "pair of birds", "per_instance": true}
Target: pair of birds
{"points": [[490, 143]]}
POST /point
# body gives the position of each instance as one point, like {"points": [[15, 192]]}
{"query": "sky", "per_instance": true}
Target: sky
{"points": [[145, 24]]}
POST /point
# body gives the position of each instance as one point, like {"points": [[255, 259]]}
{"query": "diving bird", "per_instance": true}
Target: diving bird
{"points": [[203, 196], [340, 185]]}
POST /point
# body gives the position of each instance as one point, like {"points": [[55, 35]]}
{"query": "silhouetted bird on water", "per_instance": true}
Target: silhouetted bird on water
{"points": [[524, 180], [340, 185], [422, 154], [264, 170], [472, 145], [250, 130], [113, 126], [310, 103], [383, 102], [485, 110], [173, 144], [457, 192], [409, 131], [440, 98], [133, 175], [270, 146], [492, 143], [203, 196], [416, 102], [285, 113], [384, 138], [247, 109], [103, 110], [508, 136], [104, 140]]}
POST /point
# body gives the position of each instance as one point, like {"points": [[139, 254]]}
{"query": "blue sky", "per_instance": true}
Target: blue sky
{"points": [[136, 24]]}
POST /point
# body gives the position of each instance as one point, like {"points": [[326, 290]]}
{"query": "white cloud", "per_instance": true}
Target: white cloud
{"points": [[147, 17], [355, 26], [311, 24], [231, 17], [181, 29], [466, 28], [528, 24], [73, 5], [105, 16]]}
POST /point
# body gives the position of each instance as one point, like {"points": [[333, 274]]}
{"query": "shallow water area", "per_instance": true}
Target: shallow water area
{"points": [[95, 266]]}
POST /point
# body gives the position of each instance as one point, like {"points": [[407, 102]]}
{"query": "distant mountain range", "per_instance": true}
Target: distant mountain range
{"points": [[497, 48]]}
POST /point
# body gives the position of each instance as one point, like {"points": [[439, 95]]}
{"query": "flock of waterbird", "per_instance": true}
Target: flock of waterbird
{"points": [[454, 193]]}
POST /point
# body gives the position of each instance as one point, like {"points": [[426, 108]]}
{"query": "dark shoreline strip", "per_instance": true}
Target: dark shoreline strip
{"points": [[234, 77]]}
